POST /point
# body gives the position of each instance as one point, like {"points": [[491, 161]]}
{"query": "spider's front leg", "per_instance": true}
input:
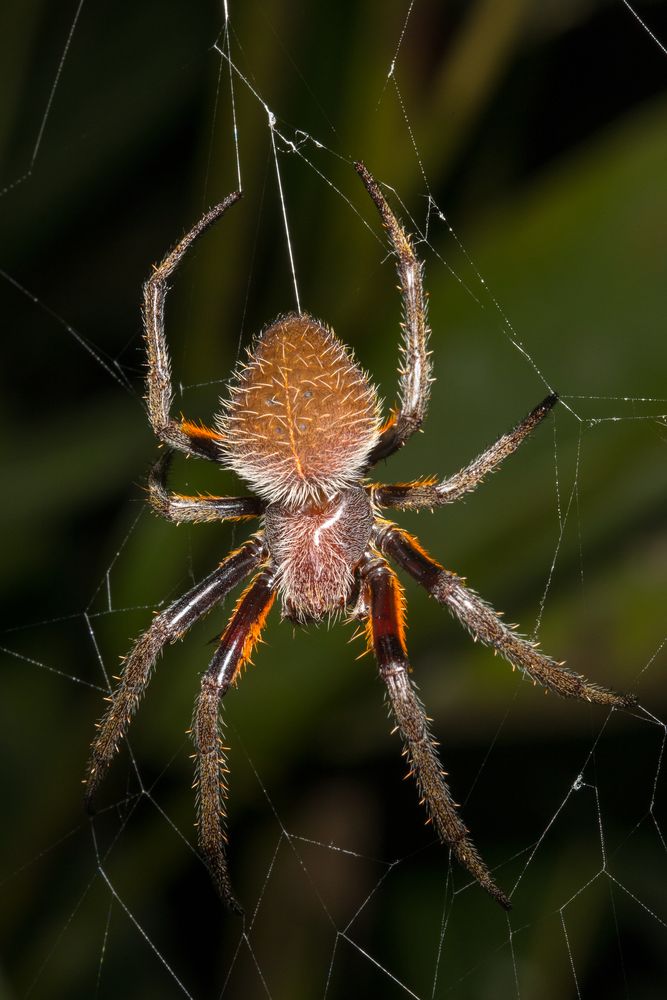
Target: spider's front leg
{"points": [[166, 627], [183, 435], [415, 369], [236, 645], [386, 634], [484, 623]]}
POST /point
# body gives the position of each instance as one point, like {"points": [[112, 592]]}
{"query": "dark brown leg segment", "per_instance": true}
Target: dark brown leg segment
{"points": [[484, 624], [417, 496], [387, 638], [166, 627], [236, 645], [179, 508]]}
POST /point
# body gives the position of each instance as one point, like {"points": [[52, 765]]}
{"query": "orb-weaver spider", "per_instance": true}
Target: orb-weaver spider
{"points": [[301, 422]]}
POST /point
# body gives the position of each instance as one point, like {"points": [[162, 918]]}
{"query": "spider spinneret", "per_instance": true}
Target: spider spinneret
{"points": [[302, 425]]}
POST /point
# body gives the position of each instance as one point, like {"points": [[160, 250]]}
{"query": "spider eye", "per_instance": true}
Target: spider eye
{"points": [[307, 394]]}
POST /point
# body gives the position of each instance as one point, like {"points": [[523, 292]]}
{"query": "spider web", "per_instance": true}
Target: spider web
{"points": [[545, 272]]}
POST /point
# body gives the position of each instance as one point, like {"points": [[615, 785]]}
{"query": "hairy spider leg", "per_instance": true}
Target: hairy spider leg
{"points": [[167, 627], [484, 624], [236, 645], [177, 507], [415, 368], [386, 635], [417, 495], [183, 435]]}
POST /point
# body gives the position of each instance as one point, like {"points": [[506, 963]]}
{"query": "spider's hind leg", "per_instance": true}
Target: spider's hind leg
{"points": [[414, 379], [386, 636], [236, 645], [183, 435]]}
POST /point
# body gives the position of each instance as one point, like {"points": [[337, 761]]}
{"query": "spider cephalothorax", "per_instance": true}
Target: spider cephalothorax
{"points": [[316, 547], [302, 425]]}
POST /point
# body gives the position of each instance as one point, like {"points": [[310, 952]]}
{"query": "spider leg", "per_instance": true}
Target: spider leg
{"points": [[414, 496], [386, 634], [183, 435], [415, 369], [165, 628], [177, 507], [241, 635], [483, 623]]}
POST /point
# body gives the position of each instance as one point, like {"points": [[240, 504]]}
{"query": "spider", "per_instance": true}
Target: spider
{"points": [[301, 423]]}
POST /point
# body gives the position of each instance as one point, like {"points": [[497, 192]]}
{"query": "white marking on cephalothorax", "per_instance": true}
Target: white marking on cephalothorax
{"points": [[330, 521]]}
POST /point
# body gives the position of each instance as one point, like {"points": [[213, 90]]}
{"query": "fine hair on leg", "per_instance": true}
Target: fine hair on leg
{"points": [[485, 624], [182, 435], [196, 509], [238, 640], [414, 381], [430, 493], [387, 639], [168, 626]]}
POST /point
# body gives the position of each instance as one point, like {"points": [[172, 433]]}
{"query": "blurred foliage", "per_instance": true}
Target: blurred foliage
{"points": [[542, 131]]}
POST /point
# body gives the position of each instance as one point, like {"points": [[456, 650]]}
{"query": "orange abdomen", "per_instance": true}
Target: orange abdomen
{"points": [[302, 416]]}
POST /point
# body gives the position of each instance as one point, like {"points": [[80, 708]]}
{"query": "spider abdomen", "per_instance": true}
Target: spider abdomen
{"points": [[316, 548], [302, 416]]}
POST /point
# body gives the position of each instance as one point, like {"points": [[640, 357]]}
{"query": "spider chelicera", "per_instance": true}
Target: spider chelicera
{"points": [[301, 423]]}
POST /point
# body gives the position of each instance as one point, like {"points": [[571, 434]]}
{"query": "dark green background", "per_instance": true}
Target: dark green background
{"points": [[542, 128]]}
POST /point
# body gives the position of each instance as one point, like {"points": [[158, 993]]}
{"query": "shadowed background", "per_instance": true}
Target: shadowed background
{"points": [[542, 132]]}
